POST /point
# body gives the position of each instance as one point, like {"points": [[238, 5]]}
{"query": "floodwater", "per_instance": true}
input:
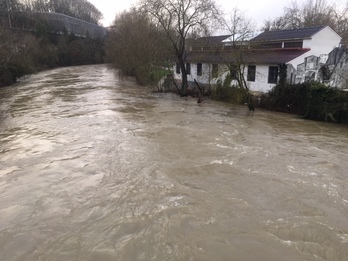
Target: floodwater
{"points": [[93, 167]]}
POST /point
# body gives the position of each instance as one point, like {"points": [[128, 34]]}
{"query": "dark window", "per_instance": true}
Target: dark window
{"points": [[271, 45], [188, 68], [199, 69], [215, 70], [177, 68], [251, 73], [273, 74], [293, 45], [233, 72]]}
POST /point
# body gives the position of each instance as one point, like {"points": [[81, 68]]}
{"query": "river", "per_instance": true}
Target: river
{"points": [[94, 167]]}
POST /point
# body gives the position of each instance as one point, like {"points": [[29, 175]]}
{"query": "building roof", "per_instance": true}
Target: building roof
{"points": [[288, 34], [211, 40], [252, 56]]}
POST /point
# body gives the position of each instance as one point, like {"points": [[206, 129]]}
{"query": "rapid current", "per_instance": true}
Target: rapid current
{"points": [[94, 167]]}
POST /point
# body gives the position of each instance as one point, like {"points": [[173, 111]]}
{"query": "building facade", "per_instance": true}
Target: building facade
{"points": [[300, 51]]}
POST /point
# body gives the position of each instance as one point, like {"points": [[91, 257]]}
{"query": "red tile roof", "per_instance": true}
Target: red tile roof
{"points": [[249, 56]]}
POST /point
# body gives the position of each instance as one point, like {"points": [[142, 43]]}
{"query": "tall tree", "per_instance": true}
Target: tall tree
{"points": [[179, 18], [136, 46]]}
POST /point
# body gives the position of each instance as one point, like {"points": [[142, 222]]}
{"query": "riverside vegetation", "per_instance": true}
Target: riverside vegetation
{"points": [[25, 53], [310, 100]]}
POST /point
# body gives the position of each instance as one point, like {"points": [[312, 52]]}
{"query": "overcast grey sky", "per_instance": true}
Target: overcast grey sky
{"points": [[257, 10]]}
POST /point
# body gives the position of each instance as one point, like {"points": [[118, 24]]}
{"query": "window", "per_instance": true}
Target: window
{"points": [[273, 74], [188, 68], [310, 65], [215, 71], [271, 45], [293, 45], [199, 69], [177, 68], [251, 73], [233, 72]]}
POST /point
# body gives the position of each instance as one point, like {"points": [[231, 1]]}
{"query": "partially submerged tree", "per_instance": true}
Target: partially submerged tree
{"points": [[179, 18]]}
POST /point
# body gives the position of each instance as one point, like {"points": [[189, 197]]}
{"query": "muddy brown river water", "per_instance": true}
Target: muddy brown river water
{"points": [[93, 167]]}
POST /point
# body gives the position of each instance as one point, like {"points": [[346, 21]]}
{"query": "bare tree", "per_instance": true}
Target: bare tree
{"points": [[179, 18], [241, 29], [312, 13]]}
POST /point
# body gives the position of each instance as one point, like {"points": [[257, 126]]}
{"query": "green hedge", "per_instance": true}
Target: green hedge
{"points": [[313, 101]]}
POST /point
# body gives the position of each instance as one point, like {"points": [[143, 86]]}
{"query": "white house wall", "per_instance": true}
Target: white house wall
{"points": [[322, 42], [261, 78]]}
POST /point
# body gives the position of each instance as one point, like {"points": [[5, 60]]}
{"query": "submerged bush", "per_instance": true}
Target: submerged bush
{"points": [[231, 94], [228, 94]]}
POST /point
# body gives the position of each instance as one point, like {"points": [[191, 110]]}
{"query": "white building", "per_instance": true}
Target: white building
{"points": [[211, 59]]}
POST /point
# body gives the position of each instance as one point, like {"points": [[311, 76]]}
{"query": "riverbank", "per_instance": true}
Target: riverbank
{"points": [[312, 101], [24, 53]]}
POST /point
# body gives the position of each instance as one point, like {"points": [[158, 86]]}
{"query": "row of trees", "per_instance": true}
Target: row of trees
{"points": [[81, 9]]}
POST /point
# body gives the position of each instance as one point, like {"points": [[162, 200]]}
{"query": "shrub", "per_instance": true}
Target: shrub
{"points": [[225, 93], [311, 100]]}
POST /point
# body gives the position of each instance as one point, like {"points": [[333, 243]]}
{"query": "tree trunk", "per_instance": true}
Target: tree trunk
{"points": [[183, 92], [242, 83], [200, 92]]}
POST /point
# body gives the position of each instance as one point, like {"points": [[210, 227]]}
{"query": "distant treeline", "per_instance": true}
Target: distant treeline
{"points": [[55, 23], [80, 9]]}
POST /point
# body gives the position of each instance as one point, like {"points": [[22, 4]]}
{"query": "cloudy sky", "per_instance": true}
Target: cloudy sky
{"points": [[257, 10]]}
